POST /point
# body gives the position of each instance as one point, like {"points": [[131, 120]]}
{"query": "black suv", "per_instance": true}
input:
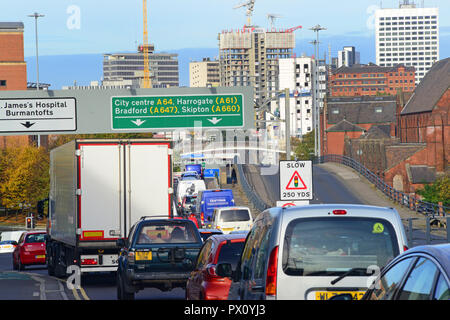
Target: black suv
{"points": [[158, 253]]}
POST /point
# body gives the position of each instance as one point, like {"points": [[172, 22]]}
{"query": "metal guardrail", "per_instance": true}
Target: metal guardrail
{"points": [[429, 209], [250, 192]]}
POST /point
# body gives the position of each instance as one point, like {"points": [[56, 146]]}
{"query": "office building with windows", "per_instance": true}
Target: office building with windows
{"points": [[125, 68], [407, 35], [205, 73]]}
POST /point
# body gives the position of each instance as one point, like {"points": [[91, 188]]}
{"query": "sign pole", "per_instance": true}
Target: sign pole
{"points": [[287, 113]]}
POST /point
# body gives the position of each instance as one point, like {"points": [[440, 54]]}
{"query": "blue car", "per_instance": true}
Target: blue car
{"points": [[420, 273], [207, 200]]}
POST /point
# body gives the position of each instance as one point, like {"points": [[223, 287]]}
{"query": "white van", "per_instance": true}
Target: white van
{"points": [[315, 252], [189, 187], [230, 219]]}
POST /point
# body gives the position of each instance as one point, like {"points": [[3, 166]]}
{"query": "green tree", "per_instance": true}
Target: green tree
{"points": [[305, 148], [439, 191]]}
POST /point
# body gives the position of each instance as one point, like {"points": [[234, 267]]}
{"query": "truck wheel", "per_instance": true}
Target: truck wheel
{"points": [[50, 261]]}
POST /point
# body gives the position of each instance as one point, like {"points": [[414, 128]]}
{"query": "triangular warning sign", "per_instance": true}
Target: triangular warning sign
{"points": [[296, 182]]}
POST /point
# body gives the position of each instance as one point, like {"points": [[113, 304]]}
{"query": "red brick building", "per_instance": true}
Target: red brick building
{"points": [[371, 80], [13, 70], [424, 132], [351, 117]]}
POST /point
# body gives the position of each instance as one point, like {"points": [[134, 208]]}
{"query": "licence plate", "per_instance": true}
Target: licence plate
{"points": [[227, 229], [41, 256], [325, 295], [143, 255]]}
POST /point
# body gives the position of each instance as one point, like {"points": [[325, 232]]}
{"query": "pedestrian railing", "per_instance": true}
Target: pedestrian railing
{"points": [[250, 192], [427, 230], [429, 209]]}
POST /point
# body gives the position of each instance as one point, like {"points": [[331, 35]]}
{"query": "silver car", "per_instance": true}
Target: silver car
{"points": [[315, 252]]}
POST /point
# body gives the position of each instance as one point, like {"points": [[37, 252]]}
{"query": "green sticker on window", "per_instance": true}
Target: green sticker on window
{"points": [[378, 228]]}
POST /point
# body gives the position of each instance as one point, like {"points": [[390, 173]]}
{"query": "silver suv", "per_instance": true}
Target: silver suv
{"points": [[315, 252]]}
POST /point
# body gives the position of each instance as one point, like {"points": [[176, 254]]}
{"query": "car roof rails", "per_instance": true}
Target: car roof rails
{"points": [[150, 217]]}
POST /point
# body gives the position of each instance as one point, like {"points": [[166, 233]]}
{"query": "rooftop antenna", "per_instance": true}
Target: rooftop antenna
{"points": [[272, 17], [250, 4]]}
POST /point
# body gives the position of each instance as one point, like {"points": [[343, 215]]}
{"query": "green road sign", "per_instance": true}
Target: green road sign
{"points": [[179, 111]]}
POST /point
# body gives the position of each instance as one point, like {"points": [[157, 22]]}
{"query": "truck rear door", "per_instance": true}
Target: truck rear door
{"points": [[100, 191], [148, 181]]}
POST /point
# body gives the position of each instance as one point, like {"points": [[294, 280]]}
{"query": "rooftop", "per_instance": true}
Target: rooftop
{"points": [[363, 68], [430, 90]]}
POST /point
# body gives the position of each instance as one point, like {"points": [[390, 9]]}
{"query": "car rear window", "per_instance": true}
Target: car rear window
{"points": [[234, 215], [190, 200], [166, 232], [330, 246], [230, 252], [35, 238]]}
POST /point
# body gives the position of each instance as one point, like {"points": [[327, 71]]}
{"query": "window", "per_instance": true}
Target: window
{"points": [[419, 283], [388, 284], [331, 246], [166, 233], [2, 83], [442, 291], [203, 255], [230, 252]]}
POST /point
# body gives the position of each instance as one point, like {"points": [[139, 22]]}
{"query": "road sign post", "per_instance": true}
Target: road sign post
{"points": [[296, 180]]}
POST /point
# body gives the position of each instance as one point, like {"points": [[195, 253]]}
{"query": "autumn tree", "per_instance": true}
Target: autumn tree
{"points": [[24, 176]]}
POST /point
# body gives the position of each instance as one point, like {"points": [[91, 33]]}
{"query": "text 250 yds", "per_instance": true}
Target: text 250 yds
{"points": [[296, 194]]}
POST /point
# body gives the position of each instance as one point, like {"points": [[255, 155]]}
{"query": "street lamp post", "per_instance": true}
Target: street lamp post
{"points": [[316, 118], [36, 16]]}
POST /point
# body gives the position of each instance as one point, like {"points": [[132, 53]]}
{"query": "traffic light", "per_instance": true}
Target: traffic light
{"points": [[29, 222]]}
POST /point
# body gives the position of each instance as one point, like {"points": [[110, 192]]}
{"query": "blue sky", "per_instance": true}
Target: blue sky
{"points": [[100, 26], [74, 34]]}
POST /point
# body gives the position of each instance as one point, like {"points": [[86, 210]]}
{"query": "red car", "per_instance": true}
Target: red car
{"points": [[30, 250], [204, 283]]}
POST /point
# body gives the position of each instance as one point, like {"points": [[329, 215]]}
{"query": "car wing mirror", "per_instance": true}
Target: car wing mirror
{"points": [[224, 270], [120, 243]]}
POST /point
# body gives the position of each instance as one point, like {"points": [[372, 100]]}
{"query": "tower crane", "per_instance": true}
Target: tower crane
{"points": [[146, 82], [250, 4], [272, 17]]}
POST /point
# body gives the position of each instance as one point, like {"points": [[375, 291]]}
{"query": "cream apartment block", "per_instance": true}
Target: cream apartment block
{"points": [[407, 35], [205, 73]]}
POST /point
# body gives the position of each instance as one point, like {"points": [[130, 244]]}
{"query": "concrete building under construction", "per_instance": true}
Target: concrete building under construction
{"points": [[249, 57]]}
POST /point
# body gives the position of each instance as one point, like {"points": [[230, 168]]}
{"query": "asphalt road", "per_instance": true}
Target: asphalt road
{"points": [[327, 188], [34, 284]]}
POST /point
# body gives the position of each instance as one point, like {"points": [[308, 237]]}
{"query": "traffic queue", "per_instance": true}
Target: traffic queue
{"points": [[216, 250]]}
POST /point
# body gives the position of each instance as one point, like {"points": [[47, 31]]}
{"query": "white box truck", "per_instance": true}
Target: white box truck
{"points": [[98, 190]]}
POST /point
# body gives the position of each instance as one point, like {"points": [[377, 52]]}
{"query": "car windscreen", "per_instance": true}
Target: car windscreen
{"points": [[190, 200], [332, 246], [166, 232], [35, 238], [234, 215], [230, 252]]}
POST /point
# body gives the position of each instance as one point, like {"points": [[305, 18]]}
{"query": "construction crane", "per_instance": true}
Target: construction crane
{"points": [[250, 5], [293, 29], [272, 17], [146, 81]]}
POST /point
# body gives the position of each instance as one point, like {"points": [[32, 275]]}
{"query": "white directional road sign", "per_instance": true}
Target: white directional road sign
{"points": [[296, 181], [38, 114]]}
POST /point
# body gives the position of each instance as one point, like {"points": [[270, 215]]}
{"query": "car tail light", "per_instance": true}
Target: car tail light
{"points": [[339, 212], [211, 270], [202, 217], [271, 278], [89, 262], [405, 248], [131, 257]]}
